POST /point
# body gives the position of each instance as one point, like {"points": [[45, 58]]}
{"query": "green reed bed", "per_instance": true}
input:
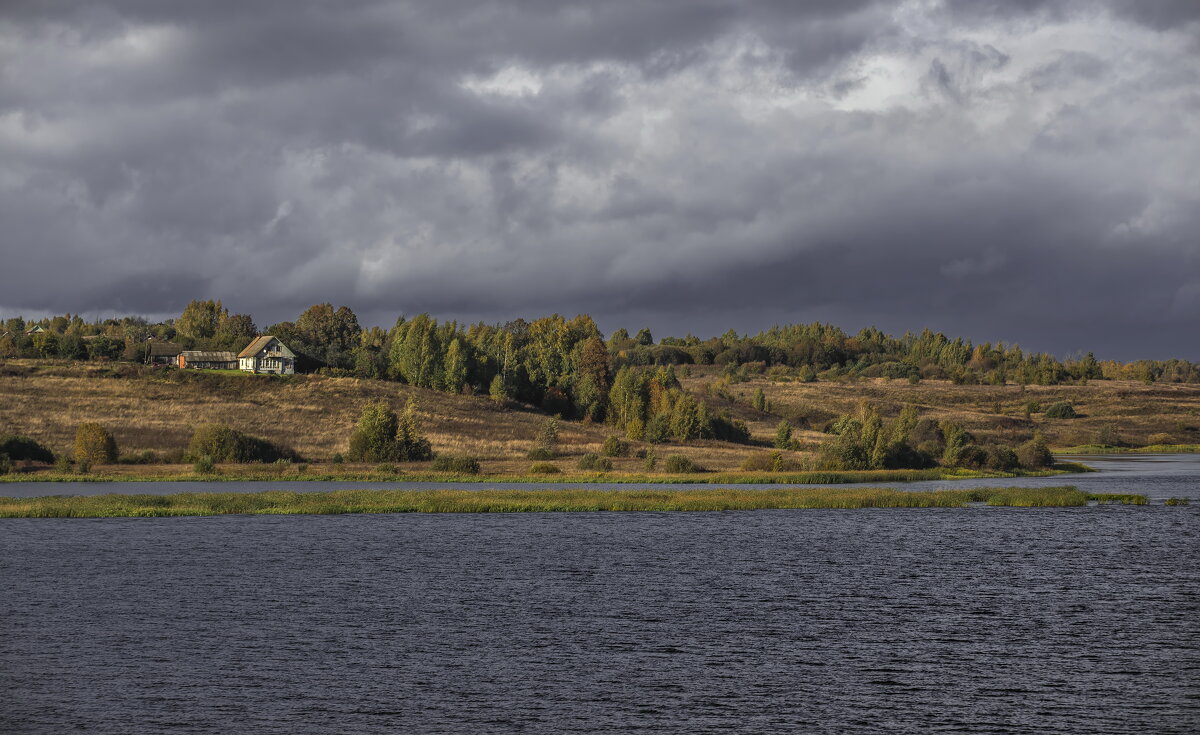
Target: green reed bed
{"points": [[277, 502]]}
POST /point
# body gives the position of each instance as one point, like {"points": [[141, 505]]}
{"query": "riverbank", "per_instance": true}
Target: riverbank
{"points": [[277, 502], [389, 473], [1150, 449]]}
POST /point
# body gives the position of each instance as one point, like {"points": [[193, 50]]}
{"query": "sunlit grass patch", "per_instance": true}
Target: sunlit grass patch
{"points": [[536, 501]]}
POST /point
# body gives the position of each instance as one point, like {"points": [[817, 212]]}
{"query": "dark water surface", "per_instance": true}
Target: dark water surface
{"points": [[1158, 476], [977, 620]]}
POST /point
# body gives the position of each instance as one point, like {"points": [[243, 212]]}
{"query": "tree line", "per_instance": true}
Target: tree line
{"points": [[567, 366]]}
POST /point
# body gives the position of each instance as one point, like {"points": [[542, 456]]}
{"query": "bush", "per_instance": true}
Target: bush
{"points": [[22, 447], [544, 468], [649, 460], [6, 464], [1002, 459], [63, 463], [382, 436], [204, 465], [1160, 438], [615, 447], [679, 464], [540, 453], [759, 462], [221, 443], [783, 435], [594, 462], [1034, 454], [1061, 411], [972, 456], [337, 458], [94, 445], [459, 465]]}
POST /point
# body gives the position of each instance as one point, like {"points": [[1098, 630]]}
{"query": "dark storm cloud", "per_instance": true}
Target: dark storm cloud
{"points": [[1021, 170]]}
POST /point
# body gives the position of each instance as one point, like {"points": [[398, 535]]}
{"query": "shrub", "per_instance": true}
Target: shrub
{"points": [[544, 468], [540, 453], [374, 438], [759, 462], [783, 435], [337, 458], [649, 460], [382, 436], [658, 429], [679, 464], [459, 465], [94, 445], [594, 462], [204, 465], [1002, 459], [615, 447], [83, 467], [387, 468], [1061, 411], [22, 447], [63, 463], [971, 456], [1034, 454], [302, 468], [759, 401], [6, 464], [1160, 438], [221, 443]]}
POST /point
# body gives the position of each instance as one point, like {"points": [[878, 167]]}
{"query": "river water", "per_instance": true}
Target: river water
{"points": [[975, 620], [1158, 476]]}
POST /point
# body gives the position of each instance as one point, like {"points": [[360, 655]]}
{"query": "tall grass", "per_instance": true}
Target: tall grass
{"points": [[275, 502]]}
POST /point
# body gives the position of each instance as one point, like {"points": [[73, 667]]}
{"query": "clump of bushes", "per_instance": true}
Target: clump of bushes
{"points": [[204, 465], [1061, 411], [222, 443], [382, 436], [22, 447], [679, 464], [1034, 454], [544, 468], [615, 446], [768, 462], [595, 463], [94, 445], [458, 465]]}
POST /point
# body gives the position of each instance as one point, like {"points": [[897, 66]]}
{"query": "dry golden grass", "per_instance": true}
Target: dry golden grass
{"points": [[1136, 411], [158, 410]]}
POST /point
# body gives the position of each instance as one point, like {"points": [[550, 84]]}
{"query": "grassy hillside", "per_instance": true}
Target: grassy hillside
{"points": [[1134, 412], [157, 410]]}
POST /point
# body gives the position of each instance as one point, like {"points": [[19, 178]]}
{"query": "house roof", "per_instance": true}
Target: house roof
{"points": [[164, 349], [257, 346], [207, 356]]}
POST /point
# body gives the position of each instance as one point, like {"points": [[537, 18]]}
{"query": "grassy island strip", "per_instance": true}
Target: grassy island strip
{"points": [[278, 502], [273, 473]]}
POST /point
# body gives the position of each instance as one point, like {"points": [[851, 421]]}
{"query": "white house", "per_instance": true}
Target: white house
{"points": [[267, 354]]}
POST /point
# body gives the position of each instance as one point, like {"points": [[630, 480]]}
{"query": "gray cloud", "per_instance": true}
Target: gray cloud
{"points": [[1024, 171]]}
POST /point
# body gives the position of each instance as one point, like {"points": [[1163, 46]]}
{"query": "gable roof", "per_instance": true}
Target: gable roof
{"points": [[258, 344], [164, 349], [206, 356]]}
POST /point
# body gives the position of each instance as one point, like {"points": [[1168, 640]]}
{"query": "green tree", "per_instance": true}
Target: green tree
{"points": [[374, 438], [498, 390], [783, 435], [94, 445], [200, 320], [411, 444], [760, 400], [454, 374]]}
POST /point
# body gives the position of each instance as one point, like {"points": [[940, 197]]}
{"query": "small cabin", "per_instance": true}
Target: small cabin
{"points": [[163, 353], [206, 360], [267, 354]]}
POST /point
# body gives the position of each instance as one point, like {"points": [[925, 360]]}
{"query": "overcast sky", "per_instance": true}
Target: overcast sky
{"points": [[1005, 170]]}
